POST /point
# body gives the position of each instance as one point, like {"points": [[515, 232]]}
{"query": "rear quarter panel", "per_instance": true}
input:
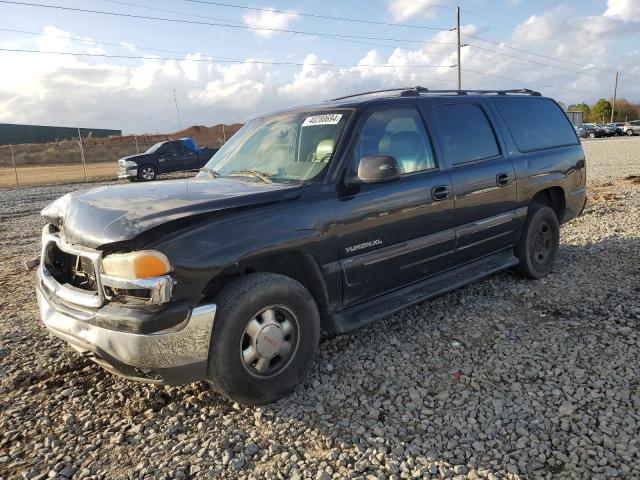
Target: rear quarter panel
{"points": [[563, 167]]}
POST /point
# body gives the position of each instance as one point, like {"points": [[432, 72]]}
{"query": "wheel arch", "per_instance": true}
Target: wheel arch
{"points": [[297, 265], [553, 197]]}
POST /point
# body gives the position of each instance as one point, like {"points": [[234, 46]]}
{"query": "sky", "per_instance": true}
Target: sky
{"points": [[228, 63]]}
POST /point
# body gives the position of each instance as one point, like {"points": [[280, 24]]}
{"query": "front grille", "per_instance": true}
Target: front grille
{"points": [[67, 268]]}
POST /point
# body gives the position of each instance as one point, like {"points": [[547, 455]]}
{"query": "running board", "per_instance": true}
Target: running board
{"points": [[363, 313]]}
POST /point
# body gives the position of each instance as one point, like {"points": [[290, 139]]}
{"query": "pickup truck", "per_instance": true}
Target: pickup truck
{"points": [[316, 220], [164, 157]]}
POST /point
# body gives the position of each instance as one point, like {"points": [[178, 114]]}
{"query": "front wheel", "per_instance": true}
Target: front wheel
{"points": [[629, 133], [147, 173], [592, 135], [264, 340], [538, 248]]}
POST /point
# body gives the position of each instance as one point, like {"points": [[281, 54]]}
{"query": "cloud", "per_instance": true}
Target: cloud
{"points": [[626, 10], [268, 19], [401, 10]]}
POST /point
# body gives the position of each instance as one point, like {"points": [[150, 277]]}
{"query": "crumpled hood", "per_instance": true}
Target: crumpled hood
{"points": [[121, 212]]}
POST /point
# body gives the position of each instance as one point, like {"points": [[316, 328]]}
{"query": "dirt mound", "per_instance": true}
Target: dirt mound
{"points": [[210, 136]]}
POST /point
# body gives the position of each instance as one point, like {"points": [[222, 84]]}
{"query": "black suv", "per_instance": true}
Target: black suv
{"points": [[318, 219]]}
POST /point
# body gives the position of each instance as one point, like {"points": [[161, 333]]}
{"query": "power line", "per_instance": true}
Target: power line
{"points": [[124, 44], [217, 60], [163, 10], [534, 53], [217, 24], [527, 81], [97, 42], [536, 62], [316, 15]]}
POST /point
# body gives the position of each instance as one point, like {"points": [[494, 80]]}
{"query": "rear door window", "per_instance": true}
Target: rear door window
{"points": [[173, 148], [535, 123], [465, 132]]}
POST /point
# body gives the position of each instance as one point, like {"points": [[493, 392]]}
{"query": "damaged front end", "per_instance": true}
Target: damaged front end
{"points": [[130, 326]]}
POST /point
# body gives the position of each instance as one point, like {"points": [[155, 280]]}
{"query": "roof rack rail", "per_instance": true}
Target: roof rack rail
{"points": [[418, 90], [520, 91], [405, 92]]}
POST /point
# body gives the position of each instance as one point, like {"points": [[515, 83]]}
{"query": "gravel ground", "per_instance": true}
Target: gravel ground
{"points": [[503, 379]]}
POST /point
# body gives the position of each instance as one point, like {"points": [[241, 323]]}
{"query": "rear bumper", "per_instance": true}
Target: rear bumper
{"points": [[576, 202], [176, 355]]}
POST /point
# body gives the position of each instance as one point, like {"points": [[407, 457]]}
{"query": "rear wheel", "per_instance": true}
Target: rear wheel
{"points": [[538, 248], [265, 337], [147, 173]]}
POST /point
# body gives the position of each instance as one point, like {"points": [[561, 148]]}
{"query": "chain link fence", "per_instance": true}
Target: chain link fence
{"points": [[68, 161], [92, 159]]}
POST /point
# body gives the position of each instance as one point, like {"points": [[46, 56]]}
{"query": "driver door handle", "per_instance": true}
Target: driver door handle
{"points": [[441, 192]]}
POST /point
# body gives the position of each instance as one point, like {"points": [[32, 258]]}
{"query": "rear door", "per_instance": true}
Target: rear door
{"points": [[482, 176], [191, 159], [393, 234], [171, 157]]}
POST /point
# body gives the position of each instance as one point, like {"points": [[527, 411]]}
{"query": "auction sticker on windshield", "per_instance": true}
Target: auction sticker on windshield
{"points": [[328, 119]]}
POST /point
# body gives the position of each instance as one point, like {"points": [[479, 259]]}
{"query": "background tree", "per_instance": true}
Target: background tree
{"points": [[600, 111], [626, 111]]}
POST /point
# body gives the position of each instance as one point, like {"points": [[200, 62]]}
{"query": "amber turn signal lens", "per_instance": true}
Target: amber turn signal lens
{"points": [[143, 264]]}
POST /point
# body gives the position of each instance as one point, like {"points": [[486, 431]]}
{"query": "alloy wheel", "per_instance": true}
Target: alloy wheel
{"points": [[148, 173]]}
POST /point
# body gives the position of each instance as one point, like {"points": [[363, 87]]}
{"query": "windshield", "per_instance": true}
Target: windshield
{"points": [[154, 147], [295, 146]]}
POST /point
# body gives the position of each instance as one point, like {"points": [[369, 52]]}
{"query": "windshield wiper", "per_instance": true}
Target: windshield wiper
{"points": [[264, 176], [211, 172]]}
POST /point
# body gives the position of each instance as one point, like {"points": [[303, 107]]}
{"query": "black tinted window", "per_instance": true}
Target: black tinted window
{"points": [[466, 133], [172, 148], [536, 123]]}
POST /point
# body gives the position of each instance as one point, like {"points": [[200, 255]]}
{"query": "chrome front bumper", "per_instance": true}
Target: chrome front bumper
{"points": [[176, 355], [124, 172]]}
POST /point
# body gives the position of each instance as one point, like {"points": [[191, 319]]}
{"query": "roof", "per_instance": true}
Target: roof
{"points": [[358, 99]]}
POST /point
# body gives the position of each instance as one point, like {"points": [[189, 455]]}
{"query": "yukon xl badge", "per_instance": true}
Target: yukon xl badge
{"points": [[362, 246]]}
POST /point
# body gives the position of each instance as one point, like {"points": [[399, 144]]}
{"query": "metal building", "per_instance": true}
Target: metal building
{"points": [[16, 134], [576, 117]]}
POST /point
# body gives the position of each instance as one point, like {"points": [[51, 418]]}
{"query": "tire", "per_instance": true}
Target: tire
{"points": [[592, 135], [629, 133], [537, 249], [147, 173], [249, 361]]}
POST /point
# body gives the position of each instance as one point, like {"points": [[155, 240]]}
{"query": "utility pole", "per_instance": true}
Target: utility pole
{"points": [[615, 94], [177, 111], [84, 164], [459, 66], [15, 170]]}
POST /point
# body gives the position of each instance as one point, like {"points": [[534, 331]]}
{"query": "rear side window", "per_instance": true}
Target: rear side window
{"points": [[466, 133], [536, 123]]}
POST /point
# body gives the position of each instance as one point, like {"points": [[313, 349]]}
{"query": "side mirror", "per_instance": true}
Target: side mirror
{"points": [[378, 169]]}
